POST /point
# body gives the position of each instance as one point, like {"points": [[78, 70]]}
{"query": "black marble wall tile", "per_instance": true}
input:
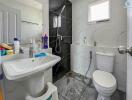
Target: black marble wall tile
{"points": [[65, 30]]}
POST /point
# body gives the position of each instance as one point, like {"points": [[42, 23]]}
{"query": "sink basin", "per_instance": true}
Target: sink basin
{"points": [[22, 68], [29, 72]]}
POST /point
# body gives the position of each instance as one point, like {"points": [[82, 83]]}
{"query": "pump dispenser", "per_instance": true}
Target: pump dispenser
{"points": [[16, 45]]}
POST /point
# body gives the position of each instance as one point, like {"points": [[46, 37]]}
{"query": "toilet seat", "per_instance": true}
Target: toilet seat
{"points": [[104, 79]]}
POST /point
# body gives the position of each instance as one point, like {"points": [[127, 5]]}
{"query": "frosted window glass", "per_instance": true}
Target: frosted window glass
{"points": [[56, 21], [59, 21], [99, 11]]}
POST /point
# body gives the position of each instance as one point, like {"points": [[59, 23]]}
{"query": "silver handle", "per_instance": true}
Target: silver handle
{"points": [[124, 50]]}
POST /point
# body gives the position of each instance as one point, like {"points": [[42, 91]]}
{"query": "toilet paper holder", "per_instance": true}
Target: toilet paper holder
{"points": [[124, 50]]}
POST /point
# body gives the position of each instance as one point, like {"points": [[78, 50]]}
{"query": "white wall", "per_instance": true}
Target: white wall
{"points": [[13, 90], [108, 35], [45, 14], [30, 14]]}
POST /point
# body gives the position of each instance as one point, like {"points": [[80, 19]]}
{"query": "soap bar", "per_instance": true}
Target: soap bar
{"points": [[40, 55]]}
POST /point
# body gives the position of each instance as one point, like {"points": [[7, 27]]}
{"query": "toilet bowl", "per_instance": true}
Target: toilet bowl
{"points": [[51, 94], [104, 82]]}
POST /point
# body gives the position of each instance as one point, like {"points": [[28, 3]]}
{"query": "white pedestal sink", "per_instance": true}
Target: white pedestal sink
{"points": [[30, 72]]}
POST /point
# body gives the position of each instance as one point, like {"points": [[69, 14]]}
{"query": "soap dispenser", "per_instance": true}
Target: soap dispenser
{"points": [[16, 46]]}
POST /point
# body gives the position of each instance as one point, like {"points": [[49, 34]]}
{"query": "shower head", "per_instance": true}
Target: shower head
{"points": [[63, 8]]}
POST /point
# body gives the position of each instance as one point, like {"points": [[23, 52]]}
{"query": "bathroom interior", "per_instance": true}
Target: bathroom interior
{"points": [[65, 49]]}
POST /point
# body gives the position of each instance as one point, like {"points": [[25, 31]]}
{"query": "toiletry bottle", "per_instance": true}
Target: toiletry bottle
{"points": [[34, 46], [16, 45], [45, 42]]}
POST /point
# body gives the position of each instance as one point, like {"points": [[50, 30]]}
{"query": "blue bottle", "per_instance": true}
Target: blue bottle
{"points": [[45, 41]]}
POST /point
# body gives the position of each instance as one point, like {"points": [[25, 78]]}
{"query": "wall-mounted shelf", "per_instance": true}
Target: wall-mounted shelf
{"points": [[29, 22]]}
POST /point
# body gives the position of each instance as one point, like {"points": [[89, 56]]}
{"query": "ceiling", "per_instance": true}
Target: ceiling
{"points": [[31, 3]]}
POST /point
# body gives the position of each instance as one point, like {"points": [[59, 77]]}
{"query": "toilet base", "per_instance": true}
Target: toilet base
{"points": [[100, 97]]}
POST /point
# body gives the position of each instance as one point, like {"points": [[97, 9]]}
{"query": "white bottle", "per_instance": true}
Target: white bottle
{"points": [[34, 47], [16, 46]]}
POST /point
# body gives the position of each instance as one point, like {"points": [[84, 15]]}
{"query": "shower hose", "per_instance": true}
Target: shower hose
{"points": [[83, 80]]}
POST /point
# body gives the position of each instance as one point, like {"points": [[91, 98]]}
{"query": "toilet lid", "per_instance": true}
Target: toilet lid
{"points": [[104, 79]]}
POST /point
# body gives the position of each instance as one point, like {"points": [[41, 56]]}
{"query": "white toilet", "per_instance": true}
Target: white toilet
{"points": [[104, 82]]}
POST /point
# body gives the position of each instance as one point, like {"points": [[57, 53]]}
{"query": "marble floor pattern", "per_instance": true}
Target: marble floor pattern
{"points": [[71, 87]]}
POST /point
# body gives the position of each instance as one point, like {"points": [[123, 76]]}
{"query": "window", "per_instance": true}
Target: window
{"points": [[99, 11]]}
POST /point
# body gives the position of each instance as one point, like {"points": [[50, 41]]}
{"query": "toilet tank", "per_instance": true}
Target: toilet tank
{"points": [[105, 61]]}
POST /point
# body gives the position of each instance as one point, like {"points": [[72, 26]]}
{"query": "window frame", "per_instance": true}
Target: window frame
{"points": [[103, 20]]}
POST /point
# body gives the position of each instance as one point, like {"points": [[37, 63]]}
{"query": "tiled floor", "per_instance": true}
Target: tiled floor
{"points": [[71, 87]]}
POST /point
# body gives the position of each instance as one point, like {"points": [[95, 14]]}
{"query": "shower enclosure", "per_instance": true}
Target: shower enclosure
{"points": [[60, 34]]}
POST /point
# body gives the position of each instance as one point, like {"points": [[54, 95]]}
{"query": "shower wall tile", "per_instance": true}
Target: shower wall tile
{"points": [[65, 30]]}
